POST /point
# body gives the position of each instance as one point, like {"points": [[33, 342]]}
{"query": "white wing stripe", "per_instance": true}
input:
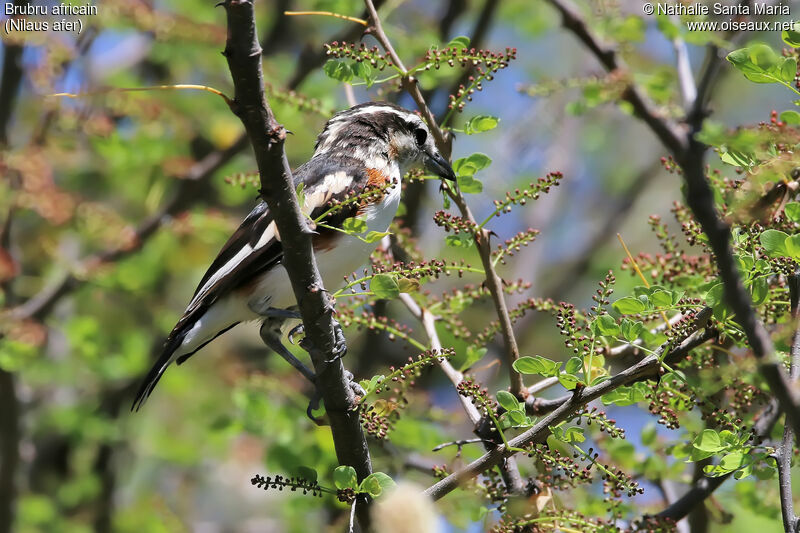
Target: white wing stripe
{"points": [[233, 262]]}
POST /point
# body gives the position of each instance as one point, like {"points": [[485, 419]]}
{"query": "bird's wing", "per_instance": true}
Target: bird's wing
{"points": [[255, 247]]}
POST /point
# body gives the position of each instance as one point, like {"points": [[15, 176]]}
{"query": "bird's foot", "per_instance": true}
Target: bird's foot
{"points": [[299, 329], [339, 348]]}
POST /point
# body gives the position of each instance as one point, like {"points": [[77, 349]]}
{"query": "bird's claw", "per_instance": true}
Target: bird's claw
{"points": [[340, 348], [299, 329], [357, 389]]}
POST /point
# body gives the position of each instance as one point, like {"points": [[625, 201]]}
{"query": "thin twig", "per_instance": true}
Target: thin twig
{"points": [[684, 68], [428, 323], [482, 238], [40, 305], [458, 443]]}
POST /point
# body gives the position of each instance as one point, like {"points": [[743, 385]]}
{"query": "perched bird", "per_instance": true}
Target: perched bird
{"points": [[370, 145]]}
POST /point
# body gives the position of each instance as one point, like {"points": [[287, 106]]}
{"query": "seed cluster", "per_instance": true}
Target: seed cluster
{"points": [[514, 244], [359, 53], [379, 417], [292, 483], [532, 192]]}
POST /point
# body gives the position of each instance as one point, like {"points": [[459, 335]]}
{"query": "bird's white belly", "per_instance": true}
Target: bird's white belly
{"points": [[349, 254]]}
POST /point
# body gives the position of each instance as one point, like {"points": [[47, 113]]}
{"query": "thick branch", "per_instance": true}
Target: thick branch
{"points": [[786, 448], [9, 449], [243, 53]]}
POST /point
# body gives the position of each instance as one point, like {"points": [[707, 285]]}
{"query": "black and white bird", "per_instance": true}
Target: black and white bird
{"points": [[372, 144]]}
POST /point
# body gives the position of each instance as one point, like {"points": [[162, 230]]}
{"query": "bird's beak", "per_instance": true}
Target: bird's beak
{"points": [[438, 165]]}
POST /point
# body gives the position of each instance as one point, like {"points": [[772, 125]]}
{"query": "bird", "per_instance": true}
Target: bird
{"points": [[370, 146]]}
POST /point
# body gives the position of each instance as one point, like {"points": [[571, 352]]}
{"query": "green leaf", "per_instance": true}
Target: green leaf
{"points": [[338, 69], [468, 166], [758, 62], [568, 435], [713, 297], [459, 43], [791, 37], [375, 236], [354, 225], [363, 70], [474, 354], [629, 306], [344, 477], [568, 381], [773, 242], [306, 472], [631, 330], [792, 209], [665, 26], [376, 484], [384, 287], [759, 289], [536, 365], [792, 245], [790, 117], [507, 401], [574, 365], [469, 185], [734, 460], [462, 240], [480, 123], [708, 441], [789, 69], [408, 285], [661, 298], [605, 326], [517, 417], [649, 434]]}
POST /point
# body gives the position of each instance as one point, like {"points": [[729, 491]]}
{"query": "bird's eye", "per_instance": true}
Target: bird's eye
{"points": [[420, 135]]}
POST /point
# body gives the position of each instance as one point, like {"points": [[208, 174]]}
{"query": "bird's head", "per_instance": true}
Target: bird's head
{"points": [[378, 132]]}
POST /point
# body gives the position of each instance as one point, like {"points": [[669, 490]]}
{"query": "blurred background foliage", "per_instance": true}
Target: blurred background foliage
{"points": [[115, 206]]}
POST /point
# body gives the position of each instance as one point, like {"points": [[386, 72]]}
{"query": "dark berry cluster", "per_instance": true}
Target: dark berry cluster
{"points": [[292, 483], [457, 224]]}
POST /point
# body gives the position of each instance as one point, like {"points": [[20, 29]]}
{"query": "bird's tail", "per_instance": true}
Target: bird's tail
{"points": [[172, 343]]}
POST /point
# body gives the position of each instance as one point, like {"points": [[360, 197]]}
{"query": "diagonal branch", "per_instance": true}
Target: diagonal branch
{"points": [[482, 237], [267, 136], [565, 407]]}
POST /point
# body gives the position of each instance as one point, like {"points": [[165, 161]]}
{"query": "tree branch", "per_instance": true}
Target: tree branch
{"points": [[493, 281], [564, 408], [267, 136], [9, 449], [791, 524]]}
